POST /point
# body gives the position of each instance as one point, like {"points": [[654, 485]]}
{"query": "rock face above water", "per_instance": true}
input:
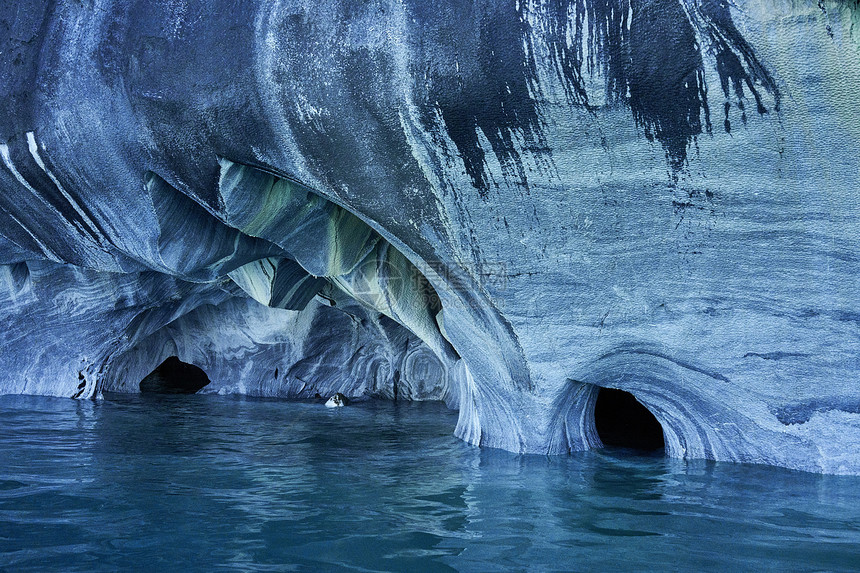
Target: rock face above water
{"points": [[505, 205]]}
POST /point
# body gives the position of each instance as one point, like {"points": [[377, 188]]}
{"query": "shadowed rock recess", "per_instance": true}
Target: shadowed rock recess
{"points": [[174, 377], [506, 205]]}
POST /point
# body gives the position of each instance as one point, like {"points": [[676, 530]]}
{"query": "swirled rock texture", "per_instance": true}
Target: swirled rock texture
{"points": [[503, 204]]}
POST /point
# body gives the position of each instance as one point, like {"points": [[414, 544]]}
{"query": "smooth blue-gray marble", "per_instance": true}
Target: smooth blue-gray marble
{"points": [[503, 204]]}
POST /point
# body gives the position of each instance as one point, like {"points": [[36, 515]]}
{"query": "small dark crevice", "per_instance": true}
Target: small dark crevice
{"points": [[776, 355], [82, 384], [174, 377], [622, 421]]}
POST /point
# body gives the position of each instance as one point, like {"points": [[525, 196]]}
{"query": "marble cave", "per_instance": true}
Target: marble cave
{"points": [[536, 211]]}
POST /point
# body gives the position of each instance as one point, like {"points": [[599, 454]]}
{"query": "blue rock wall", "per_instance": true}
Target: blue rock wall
{"points": [[503, 204]]}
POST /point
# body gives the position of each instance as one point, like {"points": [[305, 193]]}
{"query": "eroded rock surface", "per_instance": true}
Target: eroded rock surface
{"points": [[506, 205]]}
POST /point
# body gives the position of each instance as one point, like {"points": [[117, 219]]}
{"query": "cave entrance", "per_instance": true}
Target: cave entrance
{"points": [[174, 377], [622, 421]]}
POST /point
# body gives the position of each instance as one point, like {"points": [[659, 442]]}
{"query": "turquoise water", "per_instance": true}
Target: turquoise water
{"points": [[213, 483]]}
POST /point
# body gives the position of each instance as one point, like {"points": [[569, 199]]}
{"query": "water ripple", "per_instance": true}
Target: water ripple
{"points": [[213, 483]]}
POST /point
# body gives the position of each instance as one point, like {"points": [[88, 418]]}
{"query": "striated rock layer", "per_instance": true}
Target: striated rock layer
{"points": [[507, 205]]}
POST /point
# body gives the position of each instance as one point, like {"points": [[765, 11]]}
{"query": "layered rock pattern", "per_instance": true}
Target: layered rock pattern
{"points": [[505, 205]]}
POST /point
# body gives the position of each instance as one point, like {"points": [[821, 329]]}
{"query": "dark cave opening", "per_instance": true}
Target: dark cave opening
{"points": [[622, 421], [174, 377]]}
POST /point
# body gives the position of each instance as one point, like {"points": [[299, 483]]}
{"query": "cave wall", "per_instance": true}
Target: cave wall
{"points": [[544, 197]]}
